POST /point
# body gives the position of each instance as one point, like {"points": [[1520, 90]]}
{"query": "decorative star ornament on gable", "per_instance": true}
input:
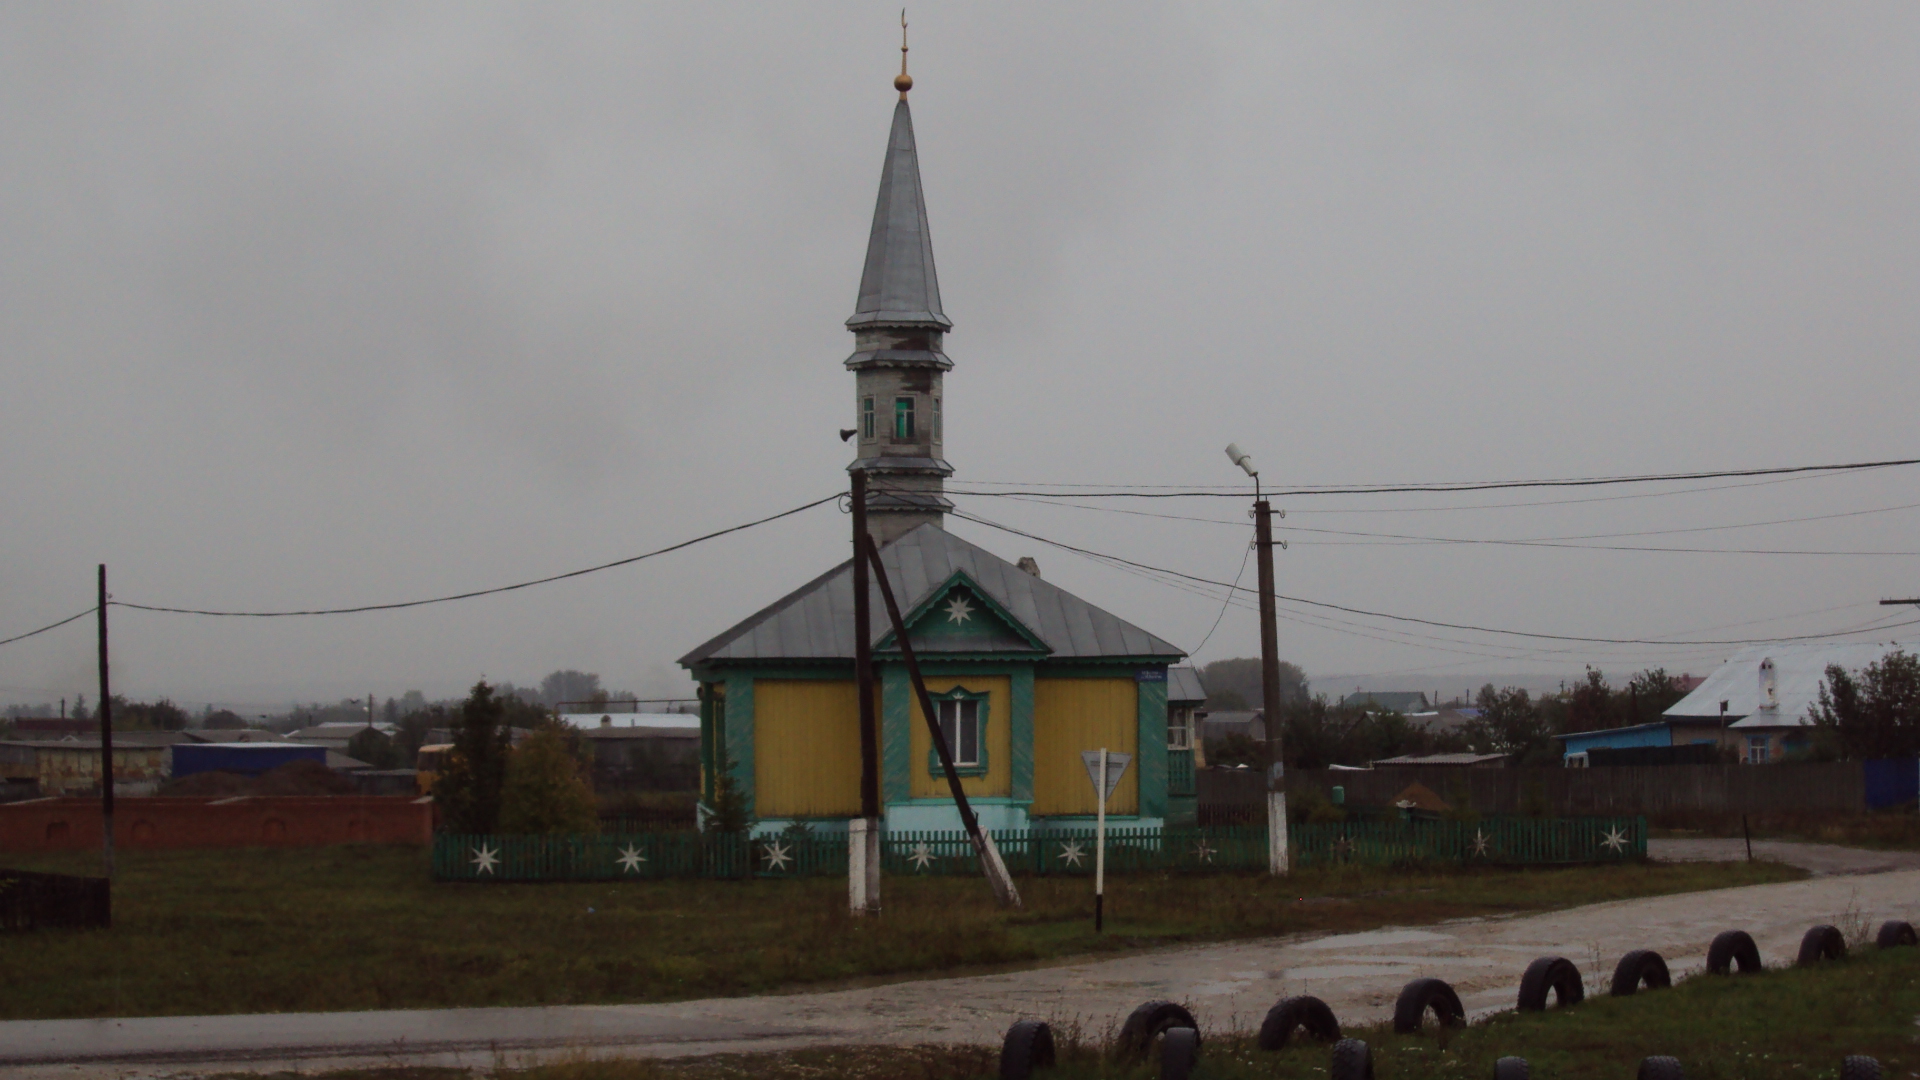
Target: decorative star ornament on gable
{"points": [[485, 858], [630, 859], [959, 611]]}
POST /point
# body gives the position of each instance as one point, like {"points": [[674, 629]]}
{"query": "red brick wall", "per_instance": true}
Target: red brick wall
{"points": [[248, 821]]}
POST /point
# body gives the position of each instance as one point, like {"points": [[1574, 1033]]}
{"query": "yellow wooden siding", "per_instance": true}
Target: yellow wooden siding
{"points": [[1071, 715], [999, 744], [806, 748]]}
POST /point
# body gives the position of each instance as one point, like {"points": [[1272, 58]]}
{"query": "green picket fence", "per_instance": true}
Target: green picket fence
{"points": [[1504, 841], [624, 856]]}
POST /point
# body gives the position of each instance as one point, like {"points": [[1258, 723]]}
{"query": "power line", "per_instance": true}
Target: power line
{"points": [[1529, 504], [1410, 618], [1489, 485], [49, 626], [477, 592], [1225, 603], [1408, 539]]}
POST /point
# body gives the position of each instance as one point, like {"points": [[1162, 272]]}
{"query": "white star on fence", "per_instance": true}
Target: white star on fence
{"points": [[922, 856], [1615, 839], [1479, 842], [1203, 851], [630, 859], [485, 858], [1342, 848], [1072, 853], [777, 855]]}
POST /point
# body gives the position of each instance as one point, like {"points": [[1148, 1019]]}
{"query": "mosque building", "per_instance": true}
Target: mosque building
{"points": [[1024, 674]]}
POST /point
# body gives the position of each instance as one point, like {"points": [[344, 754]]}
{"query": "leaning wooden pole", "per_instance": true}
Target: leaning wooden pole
{"points": [[863, 835], [990, 862]]}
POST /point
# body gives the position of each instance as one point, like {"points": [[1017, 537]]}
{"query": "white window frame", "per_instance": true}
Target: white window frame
{"points": [[1180, 730], [1759, 749], [953, 712]]}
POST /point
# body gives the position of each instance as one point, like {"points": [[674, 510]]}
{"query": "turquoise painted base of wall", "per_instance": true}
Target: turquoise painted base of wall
{"points": [[1078, 823], [939, 815], [818, 826]]}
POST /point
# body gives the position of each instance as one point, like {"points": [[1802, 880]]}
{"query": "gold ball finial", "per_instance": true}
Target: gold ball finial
{"points": [[903, 82]]}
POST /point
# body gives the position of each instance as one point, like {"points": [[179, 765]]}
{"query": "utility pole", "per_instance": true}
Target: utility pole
{"points": [[106, 731], [1278, 856], [863, 848], [983, 847]]}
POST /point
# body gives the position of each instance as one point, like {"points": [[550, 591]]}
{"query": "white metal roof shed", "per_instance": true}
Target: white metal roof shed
{"points": [[1799, 667]]}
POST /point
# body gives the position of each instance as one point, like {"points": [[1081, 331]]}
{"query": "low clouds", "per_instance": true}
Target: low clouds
{"points": [[347, 303]]}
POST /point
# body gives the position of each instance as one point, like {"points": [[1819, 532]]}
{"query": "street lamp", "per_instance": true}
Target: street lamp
{"points": [[1277, 855]]}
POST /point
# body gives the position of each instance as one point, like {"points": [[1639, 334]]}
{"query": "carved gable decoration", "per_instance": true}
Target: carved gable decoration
{"points": [[959, 617]]}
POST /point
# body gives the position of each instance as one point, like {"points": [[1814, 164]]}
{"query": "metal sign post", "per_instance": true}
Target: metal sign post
{"points": [[1104, 768]]}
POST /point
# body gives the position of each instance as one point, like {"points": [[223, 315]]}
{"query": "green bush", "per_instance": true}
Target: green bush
{"points": [[544, 791]]}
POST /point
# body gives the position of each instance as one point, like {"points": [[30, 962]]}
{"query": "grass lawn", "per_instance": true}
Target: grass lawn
{"points": [[1785, 1024], [362, 927]]}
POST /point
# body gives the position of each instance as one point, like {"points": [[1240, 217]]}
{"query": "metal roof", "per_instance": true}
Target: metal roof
{"points": [[1400, 701], [1799, 667], [1183, 684], [815, 621], [1613, 731], [1442, 759], [899, 285]]}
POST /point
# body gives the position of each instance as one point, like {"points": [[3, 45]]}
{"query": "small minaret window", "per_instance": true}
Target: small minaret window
{"points": [[903, 419], [866, 418], [937, 436]]}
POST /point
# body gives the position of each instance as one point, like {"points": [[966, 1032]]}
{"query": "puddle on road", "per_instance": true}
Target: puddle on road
{"points": [[1376, 937], [1347, 971], [1448, 961]]}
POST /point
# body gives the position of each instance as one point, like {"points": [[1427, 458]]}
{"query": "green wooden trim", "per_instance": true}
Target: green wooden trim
{"points": [[946, 668], [708, 743], [1020, 733], [960, 693], [939, 592], [739, 735], [1118, 667], [963, 657], [896, 732], [1152, 751]]}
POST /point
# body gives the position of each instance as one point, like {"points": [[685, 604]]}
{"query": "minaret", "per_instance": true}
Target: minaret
{"points": [[897, 360]]}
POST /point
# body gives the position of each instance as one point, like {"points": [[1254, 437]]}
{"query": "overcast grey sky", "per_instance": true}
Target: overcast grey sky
{"points": [[349, 303]]}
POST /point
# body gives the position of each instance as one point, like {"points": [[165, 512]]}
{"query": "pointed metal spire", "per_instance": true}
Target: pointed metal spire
{"points": [[899, 286]]}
